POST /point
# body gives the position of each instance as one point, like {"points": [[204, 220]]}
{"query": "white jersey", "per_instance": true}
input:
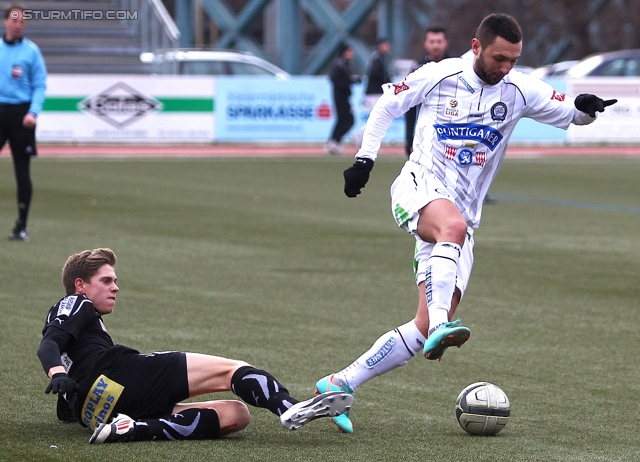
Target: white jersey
{"points": [[465, 124]]}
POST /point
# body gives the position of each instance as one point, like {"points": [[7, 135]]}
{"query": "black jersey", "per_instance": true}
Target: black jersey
{"points": [[145, 385], [88, 341]]}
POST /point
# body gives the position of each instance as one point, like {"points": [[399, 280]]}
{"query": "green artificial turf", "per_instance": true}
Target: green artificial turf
{"points": [[267, 261]]}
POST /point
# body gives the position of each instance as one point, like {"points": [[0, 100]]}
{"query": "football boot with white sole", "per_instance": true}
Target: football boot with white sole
{"points": [[332, 383], [329, 404]]}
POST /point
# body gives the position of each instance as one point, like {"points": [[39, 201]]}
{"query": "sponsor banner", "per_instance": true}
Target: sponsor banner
{"points": [[100, 401], [127, 108], [300, 109], [619, 123], [255, 109], [204, 109]]}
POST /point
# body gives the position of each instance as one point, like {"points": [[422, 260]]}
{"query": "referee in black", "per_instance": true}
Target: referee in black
{"points": [[23, 76]]}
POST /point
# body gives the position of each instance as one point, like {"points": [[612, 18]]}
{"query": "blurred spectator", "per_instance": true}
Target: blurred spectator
{"points": [[341, 80], [377, 75]]}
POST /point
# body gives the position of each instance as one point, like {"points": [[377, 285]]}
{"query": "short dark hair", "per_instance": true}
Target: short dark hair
{"points": [[10, 8], [436, 30], [85, 265], [498, 25]]}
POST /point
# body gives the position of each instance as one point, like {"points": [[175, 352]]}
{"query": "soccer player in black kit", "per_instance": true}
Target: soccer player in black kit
{"points": [[124, 395]]}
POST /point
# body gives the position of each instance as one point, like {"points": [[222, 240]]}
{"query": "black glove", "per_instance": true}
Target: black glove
{"points": [[591, 103], [65, 411], [356, 176], [62, 383]]}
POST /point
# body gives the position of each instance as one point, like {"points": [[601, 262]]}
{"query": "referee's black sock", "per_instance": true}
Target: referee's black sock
{"points": [[259, 388]]}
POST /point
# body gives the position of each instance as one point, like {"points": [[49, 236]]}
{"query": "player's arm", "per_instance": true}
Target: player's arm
{"points": [[549, 106], [49, 355], [395, 101], [38, 83]]}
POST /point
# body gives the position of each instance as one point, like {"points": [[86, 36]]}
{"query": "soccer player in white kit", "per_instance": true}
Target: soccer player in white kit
{"points": [[469, 108]]}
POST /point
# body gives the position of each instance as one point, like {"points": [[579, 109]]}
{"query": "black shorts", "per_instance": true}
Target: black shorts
{"points": [[22, 140], [153, 383]]}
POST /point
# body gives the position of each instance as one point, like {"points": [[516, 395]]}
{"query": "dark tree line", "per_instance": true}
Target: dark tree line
{"points": [[554, 30]]}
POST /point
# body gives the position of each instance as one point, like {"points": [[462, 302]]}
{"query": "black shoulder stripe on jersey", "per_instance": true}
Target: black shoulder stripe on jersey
{"points": [[519, 91], [440, 81]]}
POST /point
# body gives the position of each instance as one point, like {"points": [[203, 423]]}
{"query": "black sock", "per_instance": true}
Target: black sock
{"points": [[259, 388], [189, 424]]}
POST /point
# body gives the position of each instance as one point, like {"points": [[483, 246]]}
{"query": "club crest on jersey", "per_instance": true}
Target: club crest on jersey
{"points": [[399, 87], [451, 108], [478, 133], [558, 96], [465, 156], [499, 111]]}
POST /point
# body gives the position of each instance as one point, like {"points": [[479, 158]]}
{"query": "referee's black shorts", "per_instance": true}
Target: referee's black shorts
{"points": [[22, 140]]}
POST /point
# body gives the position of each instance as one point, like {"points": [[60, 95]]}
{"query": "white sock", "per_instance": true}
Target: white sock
{"points": [[393, 349], [440, 283]]}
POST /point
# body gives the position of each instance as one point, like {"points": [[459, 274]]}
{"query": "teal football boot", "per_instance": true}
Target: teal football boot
{"points": [[444, 336], [332, 383]]}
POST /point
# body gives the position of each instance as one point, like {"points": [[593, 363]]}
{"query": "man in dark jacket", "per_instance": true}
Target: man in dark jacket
{"points": [[341, 80], [377, 75]]}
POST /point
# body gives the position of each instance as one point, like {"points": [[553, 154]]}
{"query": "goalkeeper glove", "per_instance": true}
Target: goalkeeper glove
{"points": [[356, 176], [62, 383], [591, 103]]}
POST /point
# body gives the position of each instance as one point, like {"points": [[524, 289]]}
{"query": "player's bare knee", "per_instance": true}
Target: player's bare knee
{"points": [[455, 231], [233, 415]]}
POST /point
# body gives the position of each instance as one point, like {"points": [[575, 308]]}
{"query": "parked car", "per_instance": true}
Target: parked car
{"points": [[210, 62], [554, 70], [623, 63]]}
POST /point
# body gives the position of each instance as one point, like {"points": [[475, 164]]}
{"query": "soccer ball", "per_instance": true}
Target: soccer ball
{"points": [[482, 408]]}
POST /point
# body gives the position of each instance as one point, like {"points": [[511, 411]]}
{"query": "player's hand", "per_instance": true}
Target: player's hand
{"points": [[356, 176], [591, 103], [62, 383]]}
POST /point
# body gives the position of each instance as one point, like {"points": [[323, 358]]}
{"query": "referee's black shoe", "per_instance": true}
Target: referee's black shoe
{"points": [[19, 232]]}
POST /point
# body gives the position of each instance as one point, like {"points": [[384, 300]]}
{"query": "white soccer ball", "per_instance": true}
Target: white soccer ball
{"points": [[482, 408]]}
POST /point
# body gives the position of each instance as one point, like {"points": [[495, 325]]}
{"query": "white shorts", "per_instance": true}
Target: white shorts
{"points": [[414, 188]]}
